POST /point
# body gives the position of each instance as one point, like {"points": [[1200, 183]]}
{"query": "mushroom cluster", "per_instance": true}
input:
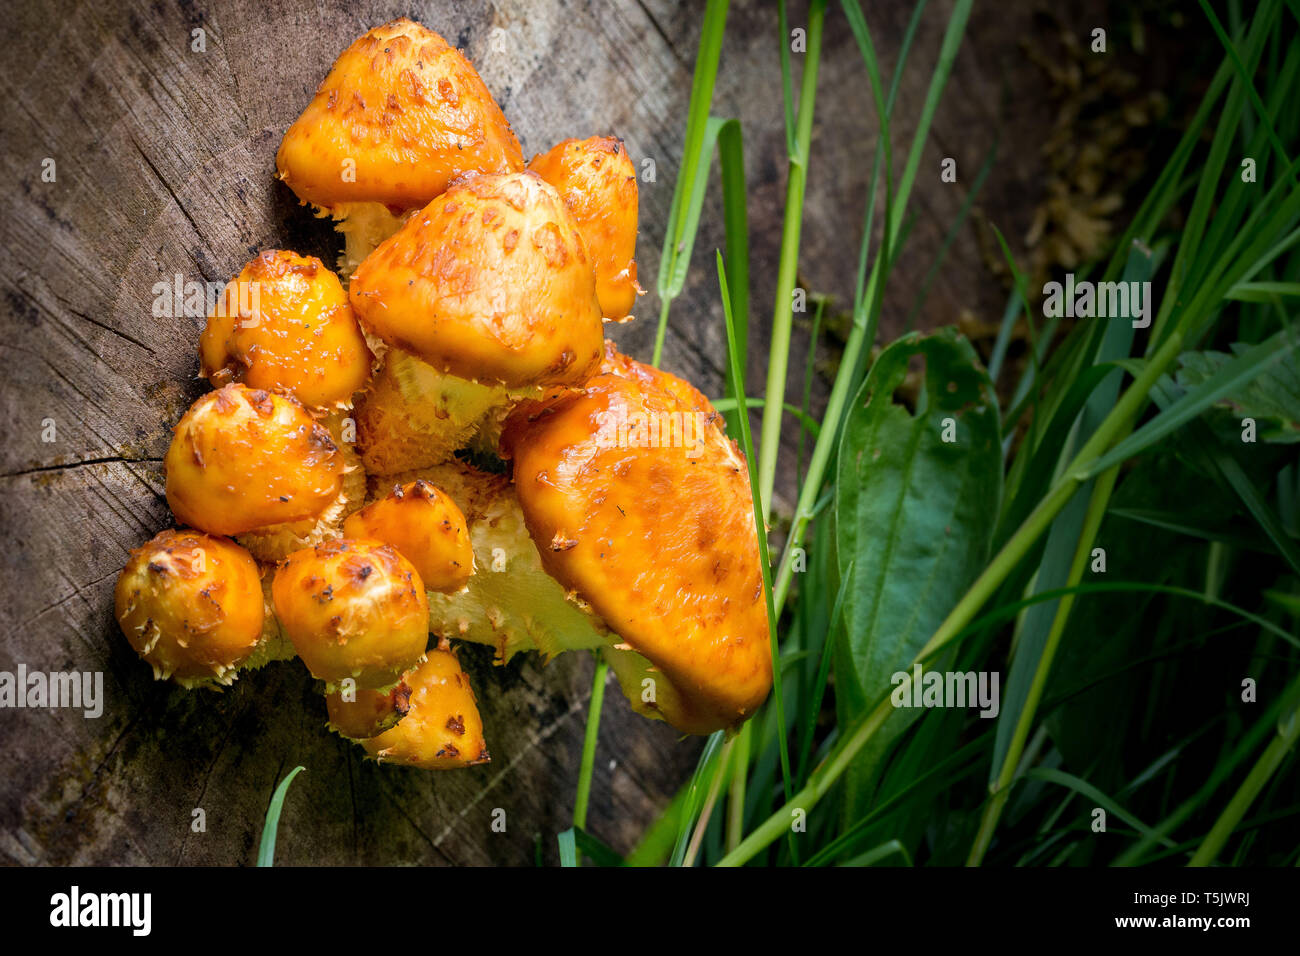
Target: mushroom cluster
{"points": [[436, 442]]}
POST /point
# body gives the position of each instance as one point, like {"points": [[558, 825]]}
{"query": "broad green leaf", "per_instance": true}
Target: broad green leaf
{"points": [[1272, 399], [1229, 379], [914, 515]]}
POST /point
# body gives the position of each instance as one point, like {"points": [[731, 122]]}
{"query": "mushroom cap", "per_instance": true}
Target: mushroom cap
{"points": [[426, 527], [353, 608], [491, 281], [639, 502], [369, 712], [443, 729], [399, 116], [244, 458], [597, 181], [285, 322], [191, 605]]}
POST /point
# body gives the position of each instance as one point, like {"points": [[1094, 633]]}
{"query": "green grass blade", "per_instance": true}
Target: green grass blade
{"points": [[679, 231], [1096, 798], [695, 796], [787, 83], [590, 738], [788, 264], [568, 848], [747, 446], [266, 849]]}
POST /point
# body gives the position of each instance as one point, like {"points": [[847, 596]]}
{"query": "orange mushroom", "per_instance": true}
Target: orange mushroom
{"points": [[243, 459], [285, 323], [426, 527], [639, 502], [597, 181], [491, 282], [399, 116], [191, 605], [353, 609], [359, 713], [442, 729]]}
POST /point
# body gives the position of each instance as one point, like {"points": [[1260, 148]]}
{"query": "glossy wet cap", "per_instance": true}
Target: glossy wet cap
{"points": [[191, 605], [401, 114], [491, 282], [285, 323], [243, 458], [597, 181], [638, 501], [353, 609]]}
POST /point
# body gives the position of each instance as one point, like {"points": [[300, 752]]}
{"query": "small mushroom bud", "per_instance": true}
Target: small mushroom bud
{"points": [[243, 459], [359, 713], [352, 609], [191, 605], [442, 730], [491, 282], [597, 181], [426, 527], [285, 323]]}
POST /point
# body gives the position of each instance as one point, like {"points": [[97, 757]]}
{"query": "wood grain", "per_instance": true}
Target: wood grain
{"points": [[165, 166]]}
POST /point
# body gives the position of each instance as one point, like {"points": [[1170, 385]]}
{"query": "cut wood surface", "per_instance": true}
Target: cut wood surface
{"points": [[164, 162]]}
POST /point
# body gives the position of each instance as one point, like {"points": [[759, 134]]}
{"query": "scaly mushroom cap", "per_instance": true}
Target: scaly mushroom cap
{"points": [[285, 322], [400, 115], [597, 181], [361, 713], [243, 458], [639, 502], [352, 609], [491, 282], [191, 605], [442, 730], [426, 527]]}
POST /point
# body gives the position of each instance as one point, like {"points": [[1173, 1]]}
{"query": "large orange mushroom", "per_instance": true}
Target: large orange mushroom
{"points": [[639, 502]]}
